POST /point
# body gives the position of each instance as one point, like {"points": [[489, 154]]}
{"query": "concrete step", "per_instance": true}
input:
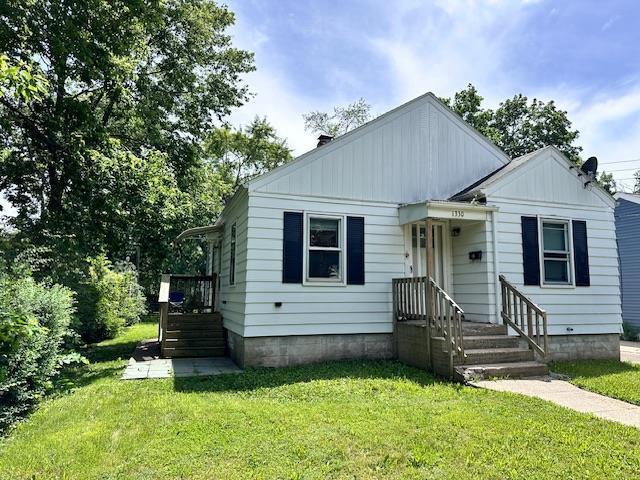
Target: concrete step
{"points": [[170, 352], [501, 370], [194, 342], [483, 329], [490, 341], [476, 356]]}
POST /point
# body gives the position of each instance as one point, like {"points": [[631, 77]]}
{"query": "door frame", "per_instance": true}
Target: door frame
{"points": [[447, 264]]}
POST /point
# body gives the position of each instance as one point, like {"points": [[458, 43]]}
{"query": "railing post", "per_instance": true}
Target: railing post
{"points": [[394, 298], [546, 342], [427, 317]]}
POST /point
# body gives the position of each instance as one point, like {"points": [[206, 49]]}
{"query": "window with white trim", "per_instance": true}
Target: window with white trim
{"points": [[556, 252], [232, 256], [324, 248]]}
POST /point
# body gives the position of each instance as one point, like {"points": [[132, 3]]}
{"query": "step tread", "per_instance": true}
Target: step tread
{"points": [[505, 365], [479, 351], [521, 369]]}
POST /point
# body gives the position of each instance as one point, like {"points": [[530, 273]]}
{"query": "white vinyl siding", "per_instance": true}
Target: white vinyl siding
{"points": [[420, 151], [319, 309], [546, 187], [232, 297], [474, 281]]}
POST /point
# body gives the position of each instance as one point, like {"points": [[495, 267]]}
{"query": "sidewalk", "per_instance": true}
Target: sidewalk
{"points": [[630, 352], [569, 396]]}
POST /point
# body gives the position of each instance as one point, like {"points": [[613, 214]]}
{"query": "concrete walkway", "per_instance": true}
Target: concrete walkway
{"points": [[630, 352], [146, 363], [567, 395]]}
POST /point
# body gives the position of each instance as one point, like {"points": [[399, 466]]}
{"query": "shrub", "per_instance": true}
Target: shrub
{"points": [[630, 332], [34, 319], [108, 300]]}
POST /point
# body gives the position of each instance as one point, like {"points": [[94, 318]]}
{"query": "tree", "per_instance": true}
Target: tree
{"points": [[518, 126], [340, 121], [112, 152], [606, 181], [238, 155], [468, 104], [636, 186]]}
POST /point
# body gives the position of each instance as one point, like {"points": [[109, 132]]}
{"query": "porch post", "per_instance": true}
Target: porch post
{"points": [[428, 234]]}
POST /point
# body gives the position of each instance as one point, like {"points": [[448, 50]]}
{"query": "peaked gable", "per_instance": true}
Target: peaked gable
{"points": [[545, 175], [418, 151]]}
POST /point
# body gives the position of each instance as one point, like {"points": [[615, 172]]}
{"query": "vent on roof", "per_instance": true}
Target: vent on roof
{"points": [[324, 139]]}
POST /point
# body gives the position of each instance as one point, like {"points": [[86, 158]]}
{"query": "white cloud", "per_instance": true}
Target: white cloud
{"points": [[440, 47]]}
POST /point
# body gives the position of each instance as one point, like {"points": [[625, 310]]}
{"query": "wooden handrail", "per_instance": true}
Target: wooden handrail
{"points": [[524, 316], [422, 299], [410, 302], [447, 317], [163, 304]]}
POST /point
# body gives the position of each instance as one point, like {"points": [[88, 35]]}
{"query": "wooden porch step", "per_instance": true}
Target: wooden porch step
{"points": [[483, 329], [196, 316], [195, 329], [193, 321], [502, 370], [187, 334], [490, 341], [170, 352], [497, 355], [194, 342]]}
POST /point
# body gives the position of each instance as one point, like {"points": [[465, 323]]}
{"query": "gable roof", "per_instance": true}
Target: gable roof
{"points": [[342, 140], [631, 197], [481, 187]]}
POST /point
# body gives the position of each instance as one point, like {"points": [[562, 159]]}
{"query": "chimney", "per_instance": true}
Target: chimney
{"points": [[324, 139]]}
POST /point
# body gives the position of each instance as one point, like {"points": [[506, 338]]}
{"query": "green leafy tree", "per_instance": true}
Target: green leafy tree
{"points": [[468, 104], [239, 155], [111, 154], [606, 181], [518, 126], [340, 121]]}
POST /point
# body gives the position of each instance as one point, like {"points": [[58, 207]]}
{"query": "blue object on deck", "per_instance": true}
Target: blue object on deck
{"points": [[176, 298]]}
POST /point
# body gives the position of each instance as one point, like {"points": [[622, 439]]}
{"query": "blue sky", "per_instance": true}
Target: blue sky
{"points": [[312, 55]]}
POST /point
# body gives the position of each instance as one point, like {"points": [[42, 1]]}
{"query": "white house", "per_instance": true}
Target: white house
{"points": [[307, 253]]}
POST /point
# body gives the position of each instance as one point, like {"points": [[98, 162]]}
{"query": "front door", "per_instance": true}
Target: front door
{"points": [[441, 252]]}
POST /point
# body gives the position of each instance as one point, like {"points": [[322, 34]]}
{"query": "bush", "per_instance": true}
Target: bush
{"points": [[34, 330], [108, 300], [630, 332]]}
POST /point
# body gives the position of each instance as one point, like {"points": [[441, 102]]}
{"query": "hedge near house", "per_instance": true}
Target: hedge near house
{"points": [[34, 330], [109, 299]]}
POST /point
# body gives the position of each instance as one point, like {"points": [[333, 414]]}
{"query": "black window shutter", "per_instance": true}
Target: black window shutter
{"points": [[530, 251], [355, 250], [581, 253], [292, 247]]}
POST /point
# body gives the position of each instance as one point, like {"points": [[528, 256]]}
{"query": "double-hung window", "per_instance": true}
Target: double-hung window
{"points": [[325, 249], [232, 256], [556, 252]]}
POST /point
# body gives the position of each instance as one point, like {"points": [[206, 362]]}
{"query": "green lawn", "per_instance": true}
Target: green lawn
{"points": [[340, 420], [608, 377]]}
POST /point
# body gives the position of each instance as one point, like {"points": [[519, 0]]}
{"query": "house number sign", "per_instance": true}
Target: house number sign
{"points": [[457, 213]]}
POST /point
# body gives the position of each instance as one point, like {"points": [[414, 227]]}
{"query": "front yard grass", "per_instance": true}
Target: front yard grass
{"points": [[612, 378], [335, 420]]}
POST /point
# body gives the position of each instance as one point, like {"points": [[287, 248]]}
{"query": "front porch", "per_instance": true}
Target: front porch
{"points": [[453, 314]]}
